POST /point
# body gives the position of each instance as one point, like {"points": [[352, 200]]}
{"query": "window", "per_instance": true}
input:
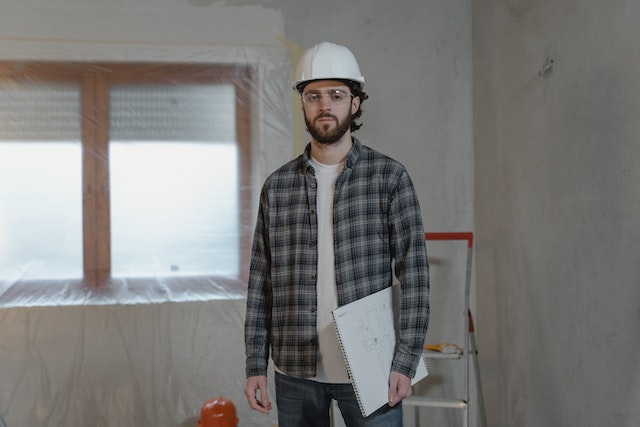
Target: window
{"points": [[114, 171]]}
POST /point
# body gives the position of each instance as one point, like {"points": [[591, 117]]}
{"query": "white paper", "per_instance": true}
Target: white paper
{"points": [[367, 336]]}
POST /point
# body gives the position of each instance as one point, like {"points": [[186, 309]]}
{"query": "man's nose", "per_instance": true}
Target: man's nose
{"points": [[324, 102]]}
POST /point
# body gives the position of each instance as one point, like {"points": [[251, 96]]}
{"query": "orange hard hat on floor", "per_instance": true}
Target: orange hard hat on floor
{"points": [[218, 412]]}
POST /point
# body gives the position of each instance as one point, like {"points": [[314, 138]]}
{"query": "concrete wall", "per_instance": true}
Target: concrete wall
{"points": [[558, 210], [416, 59]]}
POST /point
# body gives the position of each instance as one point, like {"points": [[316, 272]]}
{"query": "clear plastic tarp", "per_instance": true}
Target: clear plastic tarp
{"points": [[128, 192]]}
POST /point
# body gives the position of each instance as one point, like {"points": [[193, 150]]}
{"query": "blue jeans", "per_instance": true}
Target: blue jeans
{"points": [[306, 403]]}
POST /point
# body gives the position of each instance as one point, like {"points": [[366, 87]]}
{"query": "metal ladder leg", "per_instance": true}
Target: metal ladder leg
{"points": [[476, 366]]}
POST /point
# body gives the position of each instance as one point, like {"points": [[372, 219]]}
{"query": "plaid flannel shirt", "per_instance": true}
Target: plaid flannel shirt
{"points": [[377, 227]]}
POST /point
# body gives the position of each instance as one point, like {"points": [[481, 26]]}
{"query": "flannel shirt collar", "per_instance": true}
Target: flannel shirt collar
{"points": [[352, 156]]}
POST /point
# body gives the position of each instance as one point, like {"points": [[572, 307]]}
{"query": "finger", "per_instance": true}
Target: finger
{"points": [[264, 397], [393, 389]]}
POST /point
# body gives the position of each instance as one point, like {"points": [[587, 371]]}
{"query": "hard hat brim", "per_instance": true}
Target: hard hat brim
{"points": [[297, 85]]}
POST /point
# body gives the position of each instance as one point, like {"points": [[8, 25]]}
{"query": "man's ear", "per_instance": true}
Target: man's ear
{"points": [[355, 104]]}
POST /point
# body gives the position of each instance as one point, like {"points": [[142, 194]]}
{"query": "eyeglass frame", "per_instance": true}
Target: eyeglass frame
{"points": [[324, 94]]}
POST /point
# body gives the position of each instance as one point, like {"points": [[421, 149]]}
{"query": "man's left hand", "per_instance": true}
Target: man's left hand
{"points": [[399, 387]]}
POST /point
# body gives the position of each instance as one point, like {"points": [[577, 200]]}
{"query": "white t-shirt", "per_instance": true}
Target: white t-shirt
{"points": [[331, 367]]}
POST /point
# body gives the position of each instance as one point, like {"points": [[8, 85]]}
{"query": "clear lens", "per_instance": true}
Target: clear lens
{"points": [[332, 96]]}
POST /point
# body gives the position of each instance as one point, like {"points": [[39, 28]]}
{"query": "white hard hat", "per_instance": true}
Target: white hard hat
{"points": [[327, 61]]}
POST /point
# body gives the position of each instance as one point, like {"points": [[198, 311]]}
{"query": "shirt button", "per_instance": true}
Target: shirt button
{"points": [[313, 185], [313, 276], [313, 309]]}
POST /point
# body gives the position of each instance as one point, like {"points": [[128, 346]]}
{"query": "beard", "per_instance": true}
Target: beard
{"points": [[323, 133]]}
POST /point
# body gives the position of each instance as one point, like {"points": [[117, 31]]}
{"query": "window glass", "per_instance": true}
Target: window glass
{"points": [[174, 181], [40, 181], [174, 209]]}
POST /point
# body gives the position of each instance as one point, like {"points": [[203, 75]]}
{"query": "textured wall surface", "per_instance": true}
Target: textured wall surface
{"points": [[558, 210]]}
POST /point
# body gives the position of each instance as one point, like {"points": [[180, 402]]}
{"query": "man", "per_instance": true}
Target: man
{"points": [[333, 226]]}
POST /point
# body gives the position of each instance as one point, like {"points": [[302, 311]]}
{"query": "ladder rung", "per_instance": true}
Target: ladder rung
{"points": [[438, 355], [435, 402]]}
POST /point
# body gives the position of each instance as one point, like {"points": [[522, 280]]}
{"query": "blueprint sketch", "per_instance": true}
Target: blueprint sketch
{"points": [[368, 339]]}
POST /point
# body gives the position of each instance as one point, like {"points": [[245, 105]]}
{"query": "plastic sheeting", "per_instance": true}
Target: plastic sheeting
{"points": [[112, 319]]}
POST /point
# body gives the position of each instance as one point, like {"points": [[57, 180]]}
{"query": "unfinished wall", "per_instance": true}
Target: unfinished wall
{"points": [[416, 59], [558, 210]]}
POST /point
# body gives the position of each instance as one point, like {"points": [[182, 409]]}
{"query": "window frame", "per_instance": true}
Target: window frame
{"points": [[95, 79]]}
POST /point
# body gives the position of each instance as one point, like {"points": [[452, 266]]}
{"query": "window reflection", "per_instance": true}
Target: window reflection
{"points": [[174, 209], [40, 210]]}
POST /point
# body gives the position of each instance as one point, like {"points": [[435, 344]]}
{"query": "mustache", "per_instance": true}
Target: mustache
{"points": [[325, 115]]}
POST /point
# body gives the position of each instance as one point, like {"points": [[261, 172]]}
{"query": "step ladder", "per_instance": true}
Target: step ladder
{"points": [[468, 349]]}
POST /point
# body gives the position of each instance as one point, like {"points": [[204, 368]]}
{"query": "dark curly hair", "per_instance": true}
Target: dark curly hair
{"points": [[356, 91]]}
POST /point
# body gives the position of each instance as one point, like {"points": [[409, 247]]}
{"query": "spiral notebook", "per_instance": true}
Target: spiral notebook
{"points": [[367, 336]]}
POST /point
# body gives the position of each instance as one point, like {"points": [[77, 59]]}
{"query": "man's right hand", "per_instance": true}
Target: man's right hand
{"points": [[259, 402]]}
